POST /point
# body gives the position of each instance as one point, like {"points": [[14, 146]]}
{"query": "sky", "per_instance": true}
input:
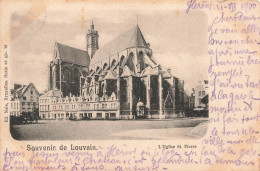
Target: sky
{"points": [[178, 40]]}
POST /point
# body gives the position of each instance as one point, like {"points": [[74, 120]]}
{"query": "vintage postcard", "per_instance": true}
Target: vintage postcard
{"points": [[130, 85]]}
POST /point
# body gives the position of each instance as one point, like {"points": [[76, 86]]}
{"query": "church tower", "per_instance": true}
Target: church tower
{"points": [[92, 41]]}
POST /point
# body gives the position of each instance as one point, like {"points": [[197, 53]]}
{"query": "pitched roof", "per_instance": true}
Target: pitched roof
{"points": [[166, 74], [127, 72], [73, 55], [131, 38], [111, 75], [21, 90], [100, 78]]}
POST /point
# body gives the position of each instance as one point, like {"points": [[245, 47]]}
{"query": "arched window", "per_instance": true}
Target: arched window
{"points": [[105, 66], [75, 84], [102, 89], [113, 63], [121, 60], [97, 69], [140, 62], [130, 62], [84, 73]]}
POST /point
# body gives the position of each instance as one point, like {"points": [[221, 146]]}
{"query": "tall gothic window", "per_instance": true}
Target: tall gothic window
{"points": [[121, 61], [140, 58], [130, 62]]}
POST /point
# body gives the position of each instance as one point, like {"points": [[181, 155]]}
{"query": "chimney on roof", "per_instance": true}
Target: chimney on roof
{"points": [[16, 86]]}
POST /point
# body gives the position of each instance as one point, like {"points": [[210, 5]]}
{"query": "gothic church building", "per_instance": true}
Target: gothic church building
{"points": [[120, 80]]}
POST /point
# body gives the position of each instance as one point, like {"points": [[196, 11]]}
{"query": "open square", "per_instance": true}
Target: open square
{"points": [[112, 130]]}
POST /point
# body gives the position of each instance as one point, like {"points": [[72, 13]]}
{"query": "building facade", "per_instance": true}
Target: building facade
{"points": [[110, 81], [79, 108], [200, 91], [66, 68], [24, 100], [45, 102]]}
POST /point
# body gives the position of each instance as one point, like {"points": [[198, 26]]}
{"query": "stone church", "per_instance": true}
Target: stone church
{"points": [[120, 80]]}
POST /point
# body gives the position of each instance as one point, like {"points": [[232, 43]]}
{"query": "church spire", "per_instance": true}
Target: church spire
{"points": [[137, 18], [92, 25]]}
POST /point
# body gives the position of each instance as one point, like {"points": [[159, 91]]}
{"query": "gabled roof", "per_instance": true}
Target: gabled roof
{"points": [[127, 72], [18, 93], [131, 38], [100, 78], [72, 55], [166, 74], [111, 75]]}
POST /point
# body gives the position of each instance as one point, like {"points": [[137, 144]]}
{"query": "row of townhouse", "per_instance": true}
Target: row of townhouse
{"points": [[54, 106]]}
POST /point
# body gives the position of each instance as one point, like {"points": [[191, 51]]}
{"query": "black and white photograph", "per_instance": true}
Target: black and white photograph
{"points": [[129, 85], [109, 74]]}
